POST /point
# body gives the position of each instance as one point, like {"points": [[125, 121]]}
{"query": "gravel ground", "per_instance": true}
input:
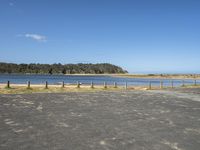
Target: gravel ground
{"points": [[127, 120]]}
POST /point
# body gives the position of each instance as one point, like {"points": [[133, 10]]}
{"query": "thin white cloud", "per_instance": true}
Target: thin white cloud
{"points": [[37, 37], [11, 4]]}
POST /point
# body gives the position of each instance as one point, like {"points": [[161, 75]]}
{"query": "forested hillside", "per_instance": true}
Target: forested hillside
{"points": [[60, 69]]}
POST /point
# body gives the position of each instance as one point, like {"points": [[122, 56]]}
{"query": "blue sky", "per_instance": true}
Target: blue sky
{"points": [[142, 36]]}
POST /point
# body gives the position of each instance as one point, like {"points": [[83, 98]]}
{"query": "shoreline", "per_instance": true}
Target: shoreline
{"points": [[155, 76], [143, 76], [147, 76]]}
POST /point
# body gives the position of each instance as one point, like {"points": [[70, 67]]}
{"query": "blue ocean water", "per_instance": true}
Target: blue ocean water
{"points": [[72, 79]]}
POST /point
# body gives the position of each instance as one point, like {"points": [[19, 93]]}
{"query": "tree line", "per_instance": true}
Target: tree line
{"points": [[100, 68]]}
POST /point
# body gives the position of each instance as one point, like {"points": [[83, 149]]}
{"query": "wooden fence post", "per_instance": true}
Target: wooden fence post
{"points": [[115, 85], [28, 84], [105, 85], [63, 84], [126, 85], [92, 85], [149, 85], [78, 84], [195, 82], [46, 85], [183, 83], [161, 84], [8, 84], [172, 84]]}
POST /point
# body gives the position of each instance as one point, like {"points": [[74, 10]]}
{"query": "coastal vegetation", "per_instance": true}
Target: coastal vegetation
{"points": [[101, 68]]}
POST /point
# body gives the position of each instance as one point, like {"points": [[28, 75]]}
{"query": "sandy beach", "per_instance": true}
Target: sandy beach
{"points": [[148, 76], [157, 76]]}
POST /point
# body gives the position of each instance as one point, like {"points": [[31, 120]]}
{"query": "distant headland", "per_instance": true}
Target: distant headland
{"points": [[99, 68]]}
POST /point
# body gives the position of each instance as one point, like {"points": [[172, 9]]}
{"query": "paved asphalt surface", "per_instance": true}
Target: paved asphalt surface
{"points": [[132, 120]]}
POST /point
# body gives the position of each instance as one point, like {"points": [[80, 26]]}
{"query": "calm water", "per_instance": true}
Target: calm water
{"points": [[70, 79]]}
